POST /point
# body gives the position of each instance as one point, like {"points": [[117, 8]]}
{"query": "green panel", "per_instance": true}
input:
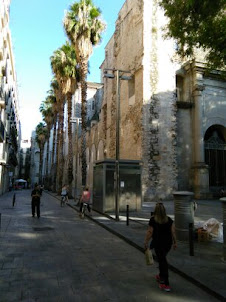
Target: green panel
{"points": [[98, 190]]}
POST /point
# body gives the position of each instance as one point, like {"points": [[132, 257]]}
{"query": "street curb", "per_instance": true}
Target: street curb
{"points": [[138, 247]]}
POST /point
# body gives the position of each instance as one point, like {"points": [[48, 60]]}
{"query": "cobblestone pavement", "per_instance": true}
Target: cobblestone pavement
{"points": [[60, 257]]}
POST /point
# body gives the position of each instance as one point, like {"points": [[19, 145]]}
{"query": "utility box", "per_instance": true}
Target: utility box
{"points": [[104, 185]]}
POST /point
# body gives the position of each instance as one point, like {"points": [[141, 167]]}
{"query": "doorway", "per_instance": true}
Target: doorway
{"points": [[215, 157]]}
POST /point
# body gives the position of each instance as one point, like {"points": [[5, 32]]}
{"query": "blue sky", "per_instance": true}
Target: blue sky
{"points": [[37, 30]]}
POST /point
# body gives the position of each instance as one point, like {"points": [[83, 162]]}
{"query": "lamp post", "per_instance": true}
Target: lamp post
{"points": [[119, 75]]}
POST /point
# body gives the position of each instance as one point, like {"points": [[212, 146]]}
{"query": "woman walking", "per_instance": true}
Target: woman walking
{"points": [[162, 231]]}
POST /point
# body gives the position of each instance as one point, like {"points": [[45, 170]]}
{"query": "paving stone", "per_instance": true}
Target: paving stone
{"points": [[63, 258]]}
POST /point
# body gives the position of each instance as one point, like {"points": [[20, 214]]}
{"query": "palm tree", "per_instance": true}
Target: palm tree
{"points": [[71, 74], [64, 64], [83, 27], [41, 135], [48, 115], [54, 92], [57, 66]]}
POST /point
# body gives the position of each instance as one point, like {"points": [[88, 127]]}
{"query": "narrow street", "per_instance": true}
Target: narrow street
{"points": [[60, 257]]}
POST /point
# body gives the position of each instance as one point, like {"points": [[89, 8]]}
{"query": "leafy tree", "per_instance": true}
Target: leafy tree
{"points": [[83, 27], [198, 23]]}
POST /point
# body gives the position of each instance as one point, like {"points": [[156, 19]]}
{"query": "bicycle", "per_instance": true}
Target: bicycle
{"points": [[63, 200], [84, 209], [86, 206]]}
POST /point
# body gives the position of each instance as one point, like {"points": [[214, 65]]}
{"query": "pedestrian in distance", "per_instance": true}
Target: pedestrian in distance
{"points": [[162, 231], [35, 200], [85, 198], [41, 188]]}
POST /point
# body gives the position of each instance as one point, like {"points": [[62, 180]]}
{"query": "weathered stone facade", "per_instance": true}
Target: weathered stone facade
{"points": [[148, 114], [151, 122]]}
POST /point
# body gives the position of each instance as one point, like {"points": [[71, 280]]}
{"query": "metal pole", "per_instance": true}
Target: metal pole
{"points": [[127, 214], [191, 243], [14, 199], [224, 227], [117, 147], [119, 76], [0, 220]]}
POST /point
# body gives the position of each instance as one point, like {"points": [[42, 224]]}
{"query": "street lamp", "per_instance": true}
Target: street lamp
{"points": [[120, 75]]}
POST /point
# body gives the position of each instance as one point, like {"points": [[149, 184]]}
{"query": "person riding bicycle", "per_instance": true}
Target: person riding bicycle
{"points": [[64, 192], [85, 198]]}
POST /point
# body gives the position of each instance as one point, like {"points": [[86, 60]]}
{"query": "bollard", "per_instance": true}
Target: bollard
{"points": [[184, 214], [191, 242], [224, 226], [127, 214], [14, 199]]}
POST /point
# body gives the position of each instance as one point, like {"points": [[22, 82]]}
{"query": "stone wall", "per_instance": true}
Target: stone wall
{"points": [[147, 102], [159, 121]]}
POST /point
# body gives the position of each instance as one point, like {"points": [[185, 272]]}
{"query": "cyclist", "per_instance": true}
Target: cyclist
{"points": [[64, 193], [85, 198]]}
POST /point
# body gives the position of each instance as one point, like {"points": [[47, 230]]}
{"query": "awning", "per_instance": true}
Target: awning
{"points": [[20, 180]]}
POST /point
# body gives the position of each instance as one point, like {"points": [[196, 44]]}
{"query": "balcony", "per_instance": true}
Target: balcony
{"points": [[2, 131], [2, 159]]}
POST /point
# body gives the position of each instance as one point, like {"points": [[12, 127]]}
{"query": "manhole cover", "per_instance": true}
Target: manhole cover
{"points": [[41, 229]]}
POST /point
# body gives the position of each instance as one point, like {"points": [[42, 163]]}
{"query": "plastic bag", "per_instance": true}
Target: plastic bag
{"points": [[149, 257], [212, 226]]}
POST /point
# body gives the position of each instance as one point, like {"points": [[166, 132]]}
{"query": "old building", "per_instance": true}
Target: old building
{"points": [[94, 99], [9, 110], [172, 114], [154, 109], [25, 161]]}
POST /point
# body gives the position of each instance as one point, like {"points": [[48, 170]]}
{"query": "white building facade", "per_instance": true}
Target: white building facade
{"points": [[10, 130]]}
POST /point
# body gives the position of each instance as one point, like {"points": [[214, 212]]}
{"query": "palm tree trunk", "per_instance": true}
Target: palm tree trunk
{"points": [[70, 150], [47, 162], [84, 113], [60, 164], [40, 164], [53, 177], [56, 170]]}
